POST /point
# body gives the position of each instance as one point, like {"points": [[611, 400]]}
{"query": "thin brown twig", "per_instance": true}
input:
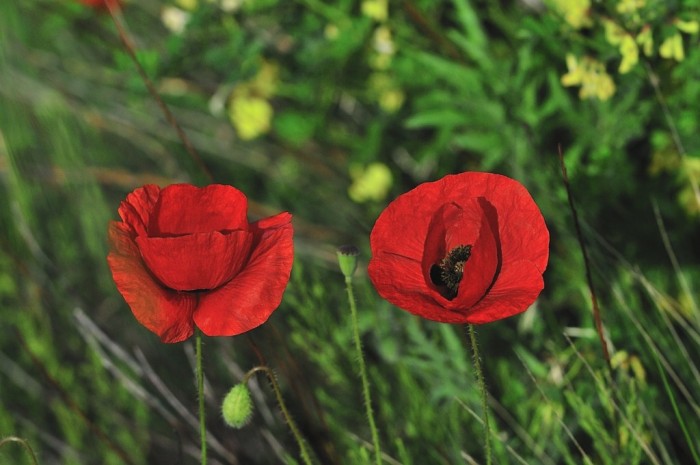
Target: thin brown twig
{"points": [[589, 277], [130, 48]]}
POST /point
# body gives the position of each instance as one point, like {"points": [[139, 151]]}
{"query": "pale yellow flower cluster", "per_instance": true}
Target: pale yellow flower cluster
{"points": [[590, 74], [249, 108], [574, 12], [381, 83], [371, 182]]}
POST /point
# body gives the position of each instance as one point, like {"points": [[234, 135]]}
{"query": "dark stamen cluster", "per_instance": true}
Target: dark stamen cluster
{"points": [[451, 270]]}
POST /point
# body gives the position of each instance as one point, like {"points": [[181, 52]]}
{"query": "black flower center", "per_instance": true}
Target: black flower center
{"points": [[448, 273]]}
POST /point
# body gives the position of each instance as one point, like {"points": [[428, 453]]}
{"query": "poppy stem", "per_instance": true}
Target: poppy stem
{"points": [[200, 395], [303, 451], [484, 393], [363, 372], [22, 442]]}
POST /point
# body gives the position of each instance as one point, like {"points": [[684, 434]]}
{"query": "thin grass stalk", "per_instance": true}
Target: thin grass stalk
{"points": [[676, 411], [586, 262], [114, 12]]}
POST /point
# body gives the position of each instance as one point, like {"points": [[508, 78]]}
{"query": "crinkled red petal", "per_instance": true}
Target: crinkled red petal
{"points": [[136, 209], [400, 280], [516, 288], [197, 261], [187, 209], [249, 299], [165, 312]]}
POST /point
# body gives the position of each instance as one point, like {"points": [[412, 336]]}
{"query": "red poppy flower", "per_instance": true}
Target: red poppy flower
{"points": [[469, 248], [185, 255]]}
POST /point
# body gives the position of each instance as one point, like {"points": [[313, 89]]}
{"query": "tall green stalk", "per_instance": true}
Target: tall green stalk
{"points": [[200, 394], [484, 393], [363, 372]]}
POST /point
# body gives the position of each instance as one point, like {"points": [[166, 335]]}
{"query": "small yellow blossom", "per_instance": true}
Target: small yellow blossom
{"points": [[389, 95], [689, 27], [251, 116], [672, 48], [590, 74], [626, 362], [249, 110], [630, 54], [646, 41], [188, 5], [575, 12], [376, 9], [391, 100], [614, 34], [370, 183], [174, 19], [384, 48], [630, 6], [331, 31]]}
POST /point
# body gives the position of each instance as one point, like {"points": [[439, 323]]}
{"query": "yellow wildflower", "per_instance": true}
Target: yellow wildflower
{"points": [[689, 27], [614, 34], [630, 54], [251, 116], [645, 39], [376, 9], [630, 6], [189, 5], [590, 74], [575, 12], [370, 183], [249, 110], [672, 48], [384, 48], [174, 19]]}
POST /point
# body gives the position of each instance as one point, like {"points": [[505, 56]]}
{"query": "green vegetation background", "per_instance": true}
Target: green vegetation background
{"points": [[455, 86]]}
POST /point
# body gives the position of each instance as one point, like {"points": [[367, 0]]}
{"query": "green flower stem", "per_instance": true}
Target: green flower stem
{"points": [[363, 372], [484, 393], [22, 442], [303, 450], [200, 393]]}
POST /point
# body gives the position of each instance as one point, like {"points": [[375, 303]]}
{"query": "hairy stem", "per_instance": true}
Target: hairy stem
{"points": [[303, 450], [363, 372], [200, 394], [484, 393]]}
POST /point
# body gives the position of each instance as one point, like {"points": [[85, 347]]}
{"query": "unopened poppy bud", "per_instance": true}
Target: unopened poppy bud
{"points": [[237, 407], [347, 259]]}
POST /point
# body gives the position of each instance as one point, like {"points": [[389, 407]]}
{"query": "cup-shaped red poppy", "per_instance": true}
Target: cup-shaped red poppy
{"points": [[185, 256], [469, 248]]}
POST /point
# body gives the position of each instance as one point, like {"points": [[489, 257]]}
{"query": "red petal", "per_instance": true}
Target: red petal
{"points": [[481, 269], [516, 288], [137, 208], [187, 209], [166, 313], [522, 230], [400, 280], [196, 261], [249, 299]]}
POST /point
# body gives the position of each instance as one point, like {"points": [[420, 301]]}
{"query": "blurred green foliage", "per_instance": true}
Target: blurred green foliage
{"points": [[296, 104]]}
